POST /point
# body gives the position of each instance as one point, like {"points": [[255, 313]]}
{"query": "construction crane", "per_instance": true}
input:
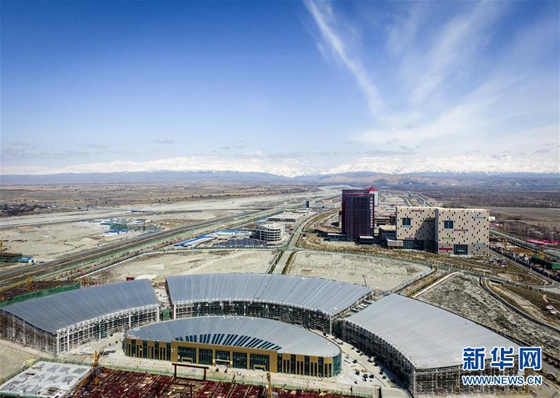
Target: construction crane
{"points": [[95, 365], [93, 374], [268, 385]]}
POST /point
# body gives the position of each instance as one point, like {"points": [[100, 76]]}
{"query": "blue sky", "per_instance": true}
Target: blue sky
{"points": [[286, 87]]}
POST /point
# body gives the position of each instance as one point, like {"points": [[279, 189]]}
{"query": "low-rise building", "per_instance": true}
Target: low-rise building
{"points": [[463, 232], [269, 232], [423, 344], [237, 342], [289, 217]]}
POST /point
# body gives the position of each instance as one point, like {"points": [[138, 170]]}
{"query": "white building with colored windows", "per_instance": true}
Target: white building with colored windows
{"points": [[460, 232]]}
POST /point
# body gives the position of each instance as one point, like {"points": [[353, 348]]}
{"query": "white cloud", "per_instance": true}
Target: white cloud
{"points": [[455, 87], [455, 47], [401, 33], [325, 19]]}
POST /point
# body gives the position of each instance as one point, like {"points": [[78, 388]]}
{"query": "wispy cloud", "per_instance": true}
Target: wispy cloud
{"points": [[324, 17], [402, 29], [97, 146], [456, 77], [453, 50], [164, 141]]}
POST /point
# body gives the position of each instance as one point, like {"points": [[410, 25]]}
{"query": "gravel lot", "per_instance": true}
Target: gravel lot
{"points": [[13, 357], [380, 273], [463, 295], [157, 266]]}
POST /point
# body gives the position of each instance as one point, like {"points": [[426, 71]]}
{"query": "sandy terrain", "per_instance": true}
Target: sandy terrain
{"points": [[464, 296], [13, 357], [49, 242], [380, 273], [157, 266], [50, 236]]}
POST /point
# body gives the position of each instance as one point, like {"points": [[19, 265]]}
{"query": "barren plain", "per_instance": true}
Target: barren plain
{"points": [[377, 272], [464, 296], [160, 265]]}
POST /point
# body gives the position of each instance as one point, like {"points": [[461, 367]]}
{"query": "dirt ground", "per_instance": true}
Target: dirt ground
{"points": [[89, 195], [526, 303], [50, 236], [51, 241], [13, 357], [380, 273], [532, 216], [463, 295], [158, 266]]}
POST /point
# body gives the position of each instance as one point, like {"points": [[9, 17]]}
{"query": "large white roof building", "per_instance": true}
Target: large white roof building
{"points": [[420, 342]]}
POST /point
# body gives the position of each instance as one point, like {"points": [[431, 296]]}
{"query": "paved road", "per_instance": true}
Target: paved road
{"points": [[289, 248]]}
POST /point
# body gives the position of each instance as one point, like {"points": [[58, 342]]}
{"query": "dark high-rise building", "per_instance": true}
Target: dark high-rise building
{"points": [[358, 209]]}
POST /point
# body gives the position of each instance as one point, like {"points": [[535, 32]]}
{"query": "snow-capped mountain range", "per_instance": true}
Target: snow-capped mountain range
{"points": [[292, 167]]}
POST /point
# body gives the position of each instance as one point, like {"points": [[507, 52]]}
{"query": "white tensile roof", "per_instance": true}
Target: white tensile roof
{"points": [[323, 295], [428, 336], [232, 331], [68, 309]]}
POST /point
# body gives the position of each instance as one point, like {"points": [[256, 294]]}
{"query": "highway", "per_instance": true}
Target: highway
{"points": [[125, 249], [289, 248]]}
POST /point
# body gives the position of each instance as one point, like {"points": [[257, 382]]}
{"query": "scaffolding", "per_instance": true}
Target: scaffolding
{"points": [[433, 381], [65, 339], [297, 315], [308, 302]]}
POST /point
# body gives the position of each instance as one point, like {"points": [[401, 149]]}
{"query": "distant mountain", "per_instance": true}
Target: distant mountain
{"points": [[484, 165], [386, 180], [142, 177], [262, 166]]}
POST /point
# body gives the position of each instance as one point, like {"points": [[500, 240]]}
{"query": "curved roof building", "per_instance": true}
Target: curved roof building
{"points": [[418, 338], [89, 311], [309, 302], [241, 342], [323, 295]]}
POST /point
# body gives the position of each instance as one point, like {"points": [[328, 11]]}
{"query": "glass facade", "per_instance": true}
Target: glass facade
{"points": [[259, 361], [293, 364], [205, 356], [461, 250], [279, 363], [337, 365], [240, 360], [283, 363], [186, 354], [223, 355]]}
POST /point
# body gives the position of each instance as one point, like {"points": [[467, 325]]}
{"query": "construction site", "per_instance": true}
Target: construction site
{"points": [[334, 290], [140, 385]]}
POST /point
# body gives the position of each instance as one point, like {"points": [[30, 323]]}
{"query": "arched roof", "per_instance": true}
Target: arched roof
{"points": [[318, 294], [67, 309], [232, 331], [430, 337]]}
